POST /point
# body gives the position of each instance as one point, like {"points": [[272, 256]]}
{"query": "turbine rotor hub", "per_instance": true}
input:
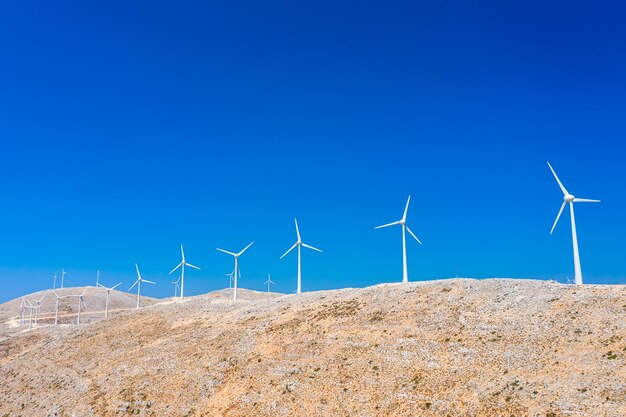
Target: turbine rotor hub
{"points": [[568, 198]]}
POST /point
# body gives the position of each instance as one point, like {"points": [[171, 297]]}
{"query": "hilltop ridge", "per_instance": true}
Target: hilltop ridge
{"points": [[449, 347]]}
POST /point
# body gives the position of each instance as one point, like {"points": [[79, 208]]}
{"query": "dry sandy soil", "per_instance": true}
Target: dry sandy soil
{"points": [[460, 347]]}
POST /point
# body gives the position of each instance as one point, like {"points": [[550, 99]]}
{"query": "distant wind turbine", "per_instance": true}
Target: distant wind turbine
{"points": [[182, 265], [570, 199], [22, 311], [236, 256], [56, 308], [138, 284], [299, 244], [405, 228], [98, 278], [106, 303], [268, 282], [30, 317], [176, 286], [63, 277], [54, 281], [81, 300], [38, 307]]}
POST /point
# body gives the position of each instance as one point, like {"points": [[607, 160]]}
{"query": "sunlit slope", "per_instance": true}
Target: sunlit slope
{"points": [[455, 347]]}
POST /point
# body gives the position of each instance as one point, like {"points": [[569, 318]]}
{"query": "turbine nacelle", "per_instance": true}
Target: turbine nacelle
{"points": [[568, 198]]}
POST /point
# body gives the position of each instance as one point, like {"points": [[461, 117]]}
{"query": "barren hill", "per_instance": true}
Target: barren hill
{"points": [[456, 347]]}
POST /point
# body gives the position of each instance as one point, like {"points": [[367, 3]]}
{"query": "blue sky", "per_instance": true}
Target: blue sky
{"points": [[127, 129]]}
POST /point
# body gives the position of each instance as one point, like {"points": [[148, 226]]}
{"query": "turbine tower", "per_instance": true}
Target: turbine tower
{"points": [[236, 256], [176, 286], [299, 244], [106, 303], [56, 308], [81, 300], [182, 265], [268, 282], [405, 228], [138, 284], [570, 199]]}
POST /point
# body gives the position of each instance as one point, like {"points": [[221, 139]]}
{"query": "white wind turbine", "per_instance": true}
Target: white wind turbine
{"points": [[22, 311], [570, 199], [405, 228], [63, 277], [231, 279], [38, 307], [98, 278], [182, 265], [30, 317], [138, 284], [81, 301], [176, 286], [56, 308], [106, 303], [299, 244], [268, 282], [54, 281], [236, 256]]}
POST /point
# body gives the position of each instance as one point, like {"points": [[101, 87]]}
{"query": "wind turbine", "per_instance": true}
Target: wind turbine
{"points": [[570, 199], [268, 282], [54, 282], [405, 228], [30, 318], [56, 308], [38, 307], [138, 284], [176, 286], [22, 311], [231, 275], [63, 277], [299, 244], [98, 278], [106, 304], [236, 256], [81, 300], [182, 265]]}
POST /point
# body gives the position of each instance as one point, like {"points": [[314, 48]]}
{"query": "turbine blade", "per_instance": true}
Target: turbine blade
{"points": [[115, 286], [225, 251], [585, 200], [558, 180], [388, 224], [182, 251], [406, 209], [413, 234], [133, 285], [245, 249], [311, 247], [177, 266], [297, 229], [192, 266], [137, 268], [290, 249], [149, 282], [558, 217]]}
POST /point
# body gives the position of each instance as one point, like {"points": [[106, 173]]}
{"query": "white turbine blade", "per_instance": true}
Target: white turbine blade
{"points": [[83, 293], [149, 282], [55, 293], [290, 249], [558, 180], [137, 268], [245, 249], [406, 209], [133, 285], [225, 251], [558, 216], [192, 266], [297, 229], [182, 252], [115, 286], [388, 224], [311, 247], [585, 200], [177, 266], [413, 234]]}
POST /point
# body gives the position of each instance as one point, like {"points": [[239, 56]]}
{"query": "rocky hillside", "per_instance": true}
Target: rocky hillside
{"points": [[457, 347]]}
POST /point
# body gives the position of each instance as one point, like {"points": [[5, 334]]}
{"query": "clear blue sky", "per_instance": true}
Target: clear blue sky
{"points": [[130, 127]]}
